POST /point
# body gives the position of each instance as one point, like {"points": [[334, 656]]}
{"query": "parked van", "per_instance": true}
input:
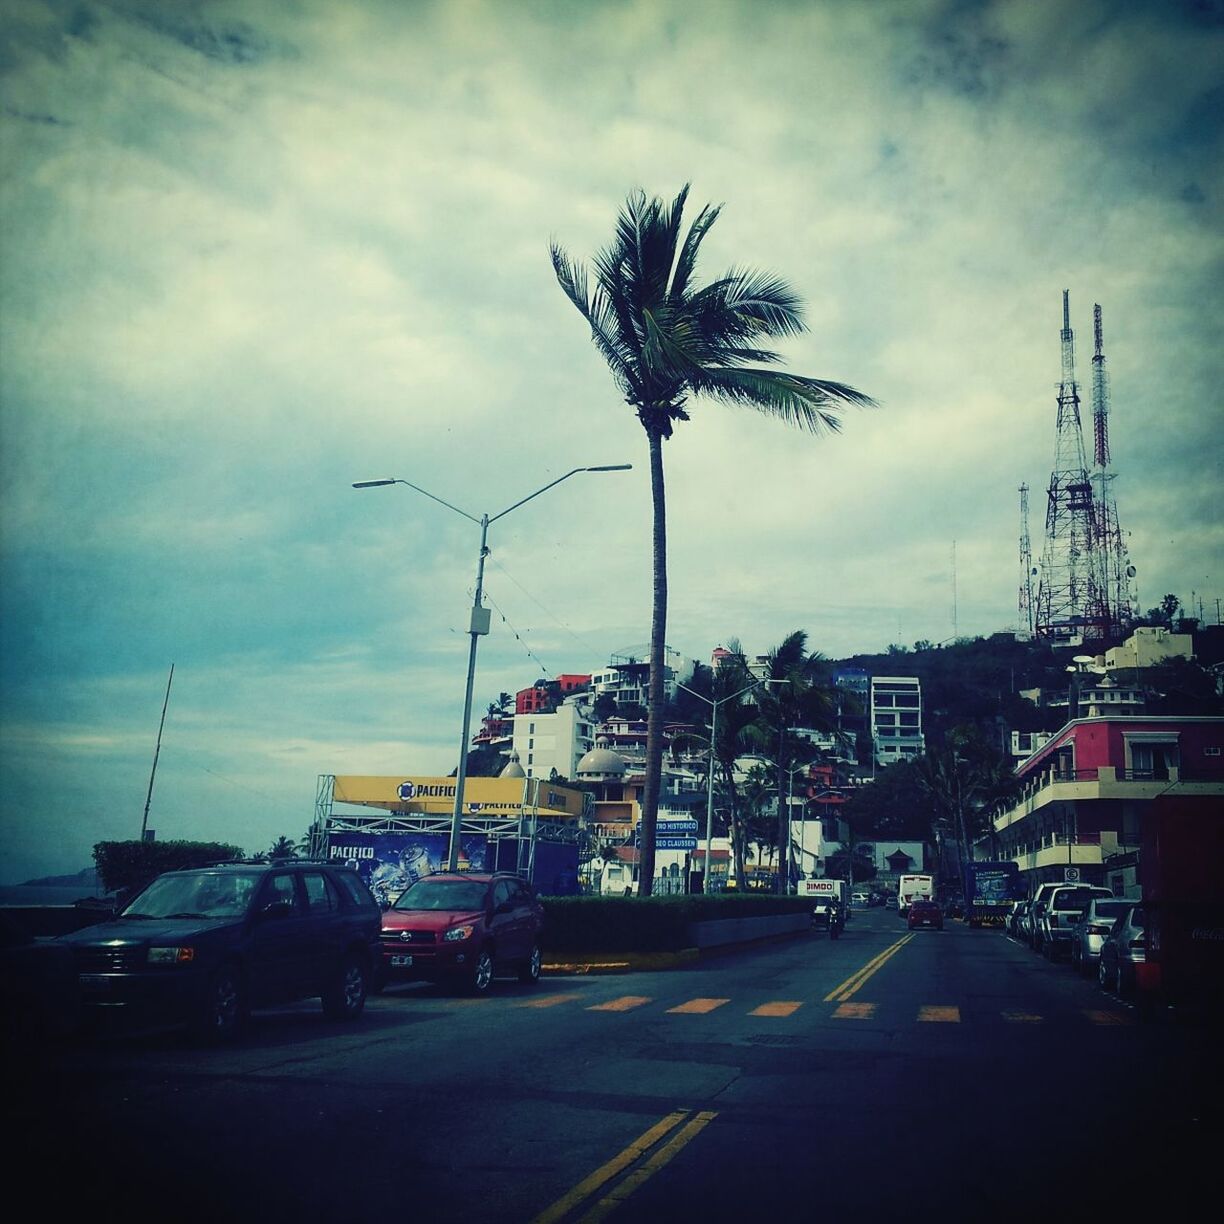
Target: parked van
{"points": [[617, 880]]}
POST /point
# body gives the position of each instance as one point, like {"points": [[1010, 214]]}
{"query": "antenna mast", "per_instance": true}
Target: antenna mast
{"points": [[144, 824], [1068, 603], [1026, 564]]}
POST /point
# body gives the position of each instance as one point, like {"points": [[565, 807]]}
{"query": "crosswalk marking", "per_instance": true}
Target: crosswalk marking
{"points": [[549, 1000], [697, 1007], [940, 1015], [776, 1009], [1021, 1017], [1107, 1017], [855, 1011], [623, 1004]]}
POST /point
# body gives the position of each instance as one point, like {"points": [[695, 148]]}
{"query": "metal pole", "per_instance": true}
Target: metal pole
{"points": [[705, 886], [479, 625], [144, 823]]}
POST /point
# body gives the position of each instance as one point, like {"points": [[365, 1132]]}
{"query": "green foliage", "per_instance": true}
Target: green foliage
{"points": [[646, 924], [132, 864]]}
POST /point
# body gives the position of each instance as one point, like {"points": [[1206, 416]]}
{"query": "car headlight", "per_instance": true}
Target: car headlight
{"points": [[457, 933], [171, 956]]}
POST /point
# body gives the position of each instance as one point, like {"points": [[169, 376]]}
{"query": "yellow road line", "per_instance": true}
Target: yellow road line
{"points": [[548, 1000], [696, 1007], [597, 1180], [776, 1009], [1019, 1017], [624, 1003], [839, 994], [685, 1135], [939, 1015], [855, 1011]]}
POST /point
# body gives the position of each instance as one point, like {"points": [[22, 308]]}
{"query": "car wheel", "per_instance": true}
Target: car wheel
{"points": [[480, 977], [529, 971], [221, 1013], [1102, 976], [345, 996]]}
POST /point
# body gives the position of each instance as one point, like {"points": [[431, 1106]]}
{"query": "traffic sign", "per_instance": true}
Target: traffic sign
{"points": [[675, 828], [676, 843]]}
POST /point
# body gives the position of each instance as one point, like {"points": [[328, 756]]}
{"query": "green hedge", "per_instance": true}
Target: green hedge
{"points": [[646, 924], [130, 865]]}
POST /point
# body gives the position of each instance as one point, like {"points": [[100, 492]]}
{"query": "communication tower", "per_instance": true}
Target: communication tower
{"points": [[1026, 565], [1083, 590]]}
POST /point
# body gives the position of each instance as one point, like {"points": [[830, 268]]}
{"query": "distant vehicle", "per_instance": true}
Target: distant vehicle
{"points": [[923, 912], [827, 889], [827, 914], [617, 880], [1037, 909], [1089, 933], [1123, 951], [1061, 910], [991, 887], [890, 902], [203, 947], [1017, 919], [860, 898], [463, 929], [911, 887]]}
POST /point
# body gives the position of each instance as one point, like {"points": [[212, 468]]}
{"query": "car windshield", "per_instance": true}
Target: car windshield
{"points": [[197, 894], [442, 895], [1109, 909], [1071, 899]]}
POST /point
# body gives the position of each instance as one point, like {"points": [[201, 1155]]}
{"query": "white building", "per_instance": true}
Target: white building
{"points": [[559, 740], [1149, 646], [896, 718]]}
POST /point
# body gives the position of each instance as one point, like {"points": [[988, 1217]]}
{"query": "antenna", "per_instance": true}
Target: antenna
{"points": [[1026, 564], [955, 623], [144, 824]]}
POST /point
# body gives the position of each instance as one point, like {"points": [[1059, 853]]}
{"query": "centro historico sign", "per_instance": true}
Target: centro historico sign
{"points": [[492, 796]]}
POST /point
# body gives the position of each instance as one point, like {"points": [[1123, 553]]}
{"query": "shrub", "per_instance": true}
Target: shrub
{"points": [[129, 865]]}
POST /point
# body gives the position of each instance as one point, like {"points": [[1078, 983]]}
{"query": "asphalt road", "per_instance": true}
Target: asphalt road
{"points": [[943, 1076]]}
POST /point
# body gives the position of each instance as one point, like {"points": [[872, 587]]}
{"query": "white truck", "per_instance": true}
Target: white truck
{"points": [[911, 888]]}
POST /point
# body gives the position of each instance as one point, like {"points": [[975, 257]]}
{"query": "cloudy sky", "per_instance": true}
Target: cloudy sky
{"points": [[255, 251]]}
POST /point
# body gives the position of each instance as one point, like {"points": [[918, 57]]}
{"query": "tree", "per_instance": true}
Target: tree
{"points": [[283, 847], [666, 339]]}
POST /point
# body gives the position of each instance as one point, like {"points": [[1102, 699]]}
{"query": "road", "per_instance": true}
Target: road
{"points": [[933, 1075]]}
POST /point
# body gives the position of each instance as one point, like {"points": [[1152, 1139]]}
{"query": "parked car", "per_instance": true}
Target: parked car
{"points": [[1016, 920], [203, 947], [1122, 950], [861, 898], [1061, 910], [890, 902], [924, 913], [464, 930], [1089, 933]]}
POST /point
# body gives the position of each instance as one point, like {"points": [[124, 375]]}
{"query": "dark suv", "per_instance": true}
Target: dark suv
{"points": [[463, 929], [203, 947]]}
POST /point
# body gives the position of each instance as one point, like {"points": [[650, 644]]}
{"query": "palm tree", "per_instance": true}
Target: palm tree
{"points": [[665, 338]]}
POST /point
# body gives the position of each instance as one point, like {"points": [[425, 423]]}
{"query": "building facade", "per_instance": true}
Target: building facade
{"points": [[896, 718]]}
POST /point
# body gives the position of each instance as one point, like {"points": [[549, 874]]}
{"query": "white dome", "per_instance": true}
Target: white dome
{"points": [[512, 768], [602, 760]]}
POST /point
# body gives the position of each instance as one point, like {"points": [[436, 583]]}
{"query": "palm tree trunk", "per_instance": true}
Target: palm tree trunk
{"points": [[658, 634]]}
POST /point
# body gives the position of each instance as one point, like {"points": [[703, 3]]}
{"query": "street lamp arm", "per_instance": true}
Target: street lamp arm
{"points": [[390, 480], [610, 467]]}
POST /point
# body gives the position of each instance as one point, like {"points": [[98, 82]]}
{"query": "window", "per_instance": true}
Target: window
{"points": [[1211, 752], [1153, 760], [281, 890], [320, 893]]}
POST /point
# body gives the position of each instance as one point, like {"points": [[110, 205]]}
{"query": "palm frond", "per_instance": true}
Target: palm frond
{"points": [[808, 403], [686, 264]]}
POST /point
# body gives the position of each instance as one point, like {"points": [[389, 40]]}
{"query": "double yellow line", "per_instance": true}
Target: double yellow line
{"points": [[839, 994], [592, 1185]]}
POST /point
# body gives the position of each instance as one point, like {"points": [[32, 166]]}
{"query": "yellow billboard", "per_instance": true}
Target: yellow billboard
{"points": [[494, 796]]}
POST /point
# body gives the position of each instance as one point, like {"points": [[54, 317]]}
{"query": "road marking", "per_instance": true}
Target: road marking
{"points": [[604, 1174], [685, 1135], [855, 1011], [1108, 1017], [624, 1003], [697, 1007], [548, 1000], [839, 994], [940, 1015], [1019, 1017], [776, 1009]]}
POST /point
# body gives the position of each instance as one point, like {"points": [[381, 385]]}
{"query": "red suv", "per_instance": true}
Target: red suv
{"points": [[925, 913], [463, 929]]}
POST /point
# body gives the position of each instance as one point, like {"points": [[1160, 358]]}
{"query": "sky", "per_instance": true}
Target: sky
{"points": [[253, 252]]}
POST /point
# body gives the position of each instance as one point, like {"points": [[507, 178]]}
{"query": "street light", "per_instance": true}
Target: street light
{"points": [[480, 619], [714, 703]]}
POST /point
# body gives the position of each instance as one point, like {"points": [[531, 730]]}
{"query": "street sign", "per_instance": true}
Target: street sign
{"points": [[676, 843], [1071, 875], [675, 828]]}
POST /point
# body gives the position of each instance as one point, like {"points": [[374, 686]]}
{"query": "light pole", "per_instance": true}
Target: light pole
{"points": [[714, 703], [479, 623]]}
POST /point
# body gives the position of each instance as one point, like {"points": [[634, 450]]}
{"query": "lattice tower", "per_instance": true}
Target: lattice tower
{"points": [[1026, 565], [1068, 597]]}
